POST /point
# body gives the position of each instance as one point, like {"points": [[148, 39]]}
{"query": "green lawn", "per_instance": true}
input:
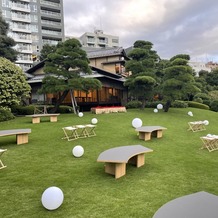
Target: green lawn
{"points": [[177, 166]]}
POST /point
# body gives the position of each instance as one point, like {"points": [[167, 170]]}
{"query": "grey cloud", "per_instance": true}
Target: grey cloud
{"points": [[186, 28]]}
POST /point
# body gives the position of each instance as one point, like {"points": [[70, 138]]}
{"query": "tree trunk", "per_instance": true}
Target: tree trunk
{"points": [[143, 104], [59, 101], [167, 106], [74, 103]]}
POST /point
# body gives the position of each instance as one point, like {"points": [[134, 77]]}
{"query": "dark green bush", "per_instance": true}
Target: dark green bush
{"points": [[197, 105], [65, 109], [5, 115], [23, 110], [199, 100], [214, 105], [179, 104], [27, 110], [207, 102], [153, 104], [134, 104]]}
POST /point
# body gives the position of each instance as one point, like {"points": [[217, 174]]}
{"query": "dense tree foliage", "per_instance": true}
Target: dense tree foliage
{"points": [[13, 85], [144, 65], [143, 58], [141, 87], [64, 69], [178, 81], [6, 43], [46, 50]]}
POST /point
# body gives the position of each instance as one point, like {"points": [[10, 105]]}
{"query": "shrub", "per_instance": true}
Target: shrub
{"points": [[199, 100], [197, 105], [134, 104], [65, 109], [153, 104], [27, 110], [23, 110], [214, 105], [179, 104], [5, 115]]}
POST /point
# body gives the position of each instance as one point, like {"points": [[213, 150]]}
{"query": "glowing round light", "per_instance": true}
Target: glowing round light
{"points": [[78, 151], [94, 121], [80, 114], [190, 114], [159, 106], [206, 122], [136, 122], [52, 198], [155, 110]]}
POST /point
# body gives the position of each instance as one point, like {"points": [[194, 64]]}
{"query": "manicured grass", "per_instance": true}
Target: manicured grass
{"points": [[177, 166]]}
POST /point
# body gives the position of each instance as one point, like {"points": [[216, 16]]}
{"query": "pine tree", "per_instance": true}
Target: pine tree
{"points": [[6, 42]]}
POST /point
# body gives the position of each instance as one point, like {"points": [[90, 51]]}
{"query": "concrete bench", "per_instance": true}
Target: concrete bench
{"points": [[36, 117], [198, 205], [21, 134], [145, 132], [116, 158]]}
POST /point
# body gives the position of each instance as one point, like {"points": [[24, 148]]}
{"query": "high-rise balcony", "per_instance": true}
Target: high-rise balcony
{"points": [[21, 18], [20, 7], [50, 13], [21, 29], [53, 4]]}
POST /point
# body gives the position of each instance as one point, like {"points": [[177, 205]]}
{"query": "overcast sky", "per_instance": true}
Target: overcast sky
{"points": [[173, 26]]}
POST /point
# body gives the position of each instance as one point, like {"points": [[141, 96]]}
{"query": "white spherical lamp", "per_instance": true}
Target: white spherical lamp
{"points": [[155, 110], [78, 151], [80, 114], [136, 122], [190, 114], [206, 122], [52, 198], [159, 106], [94, 121]]}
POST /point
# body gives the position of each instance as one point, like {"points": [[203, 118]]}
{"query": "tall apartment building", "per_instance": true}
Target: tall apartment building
{"points": [[33, 23], [99, 40]]}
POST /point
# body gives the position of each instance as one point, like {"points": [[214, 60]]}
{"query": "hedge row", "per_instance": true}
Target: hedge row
{"points": [[28, 110]]}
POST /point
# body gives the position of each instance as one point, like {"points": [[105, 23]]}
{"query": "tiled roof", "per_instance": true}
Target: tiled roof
{"points": [[105, 52]]}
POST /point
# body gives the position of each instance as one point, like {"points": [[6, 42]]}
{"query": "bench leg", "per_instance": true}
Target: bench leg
{"points": [[117, 169], [159, 133], [35, 119], [22, 138], [138, 160], [53, 118], [145, 136]]}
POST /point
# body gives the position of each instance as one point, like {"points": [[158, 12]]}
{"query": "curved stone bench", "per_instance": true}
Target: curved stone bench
{"points": [[145, 132], [21, 134], [197, 205], [116, 158]]}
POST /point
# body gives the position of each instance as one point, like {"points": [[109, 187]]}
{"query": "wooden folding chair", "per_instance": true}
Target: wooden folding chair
{"points": [[196, 126], [90, 130], [1, 163], [81, 131], [210, 142], [70, 133]]}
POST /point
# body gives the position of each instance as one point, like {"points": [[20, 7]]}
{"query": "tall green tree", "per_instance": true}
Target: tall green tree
{"points": [[178, 81], [144, 67], [141, 87], [13, 85], [6, 42], [64, 69]]}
